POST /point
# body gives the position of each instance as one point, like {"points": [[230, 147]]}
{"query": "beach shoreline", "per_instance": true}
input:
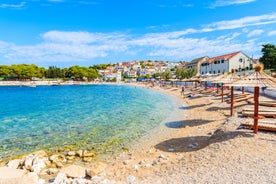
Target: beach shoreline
{"points": [[203, 144]]}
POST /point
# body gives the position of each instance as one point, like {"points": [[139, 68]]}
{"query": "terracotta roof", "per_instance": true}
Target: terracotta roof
{"points": [[225, 57]]}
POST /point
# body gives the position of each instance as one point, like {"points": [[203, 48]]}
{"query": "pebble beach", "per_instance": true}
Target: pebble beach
{"points": [[202, 144]]}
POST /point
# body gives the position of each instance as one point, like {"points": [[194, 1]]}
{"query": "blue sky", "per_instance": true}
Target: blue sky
{"points": [[82, 32]]}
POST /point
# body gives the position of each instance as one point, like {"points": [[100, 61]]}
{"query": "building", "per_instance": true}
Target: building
{"points": [[225, 63], [148, 70], [131, 73], [196, 63], [108, 75]]}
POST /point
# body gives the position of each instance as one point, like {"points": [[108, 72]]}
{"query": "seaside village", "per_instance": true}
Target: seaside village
{"points": [[204, 66], [225, 132]]}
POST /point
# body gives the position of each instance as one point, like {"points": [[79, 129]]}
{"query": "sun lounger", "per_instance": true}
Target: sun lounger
{"points": [[261, 108], [260, 113], [240, 99], [208, 91], [199, 89], [268, 103], [263, 124], [236, 96], [224, 93]]}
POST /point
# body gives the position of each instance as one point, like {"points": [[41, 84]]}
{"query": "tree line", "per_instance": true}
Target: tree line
{"points": [[26, 72]]}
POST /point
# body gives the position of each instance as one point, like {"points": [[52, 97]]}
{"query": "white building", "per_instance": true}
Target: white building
{"points": [[108, 75], [196, 63], [225, 63]]}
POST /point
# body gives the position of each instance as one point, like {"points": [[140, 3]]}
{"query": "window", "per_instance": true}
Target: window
{"points": [[218, 71], [222, 61], [218, 62], [215, 62]]}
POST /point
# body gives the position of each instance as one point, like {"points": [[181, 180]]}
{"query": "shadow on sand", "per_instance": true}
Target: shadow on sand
{"points": [[190, 123], [224, 108], [193, 106], [174, 89], [195, 143]]}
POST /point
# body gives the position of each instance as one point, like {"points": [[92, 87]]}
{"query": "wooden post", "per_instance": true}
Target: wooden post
{"points": [[242, 90], [217, 88], [256, 108], [222, 92], [232, 101]]}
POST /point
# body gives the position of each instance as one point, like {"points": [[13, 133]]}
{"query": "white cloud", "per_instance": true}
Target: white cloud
{"points": [[63, 46], [151, 45], [219, 3], [80, 37], [81, 46], [16, 6], [69, 37], [272, 33], [244, 22], [256, 32]]}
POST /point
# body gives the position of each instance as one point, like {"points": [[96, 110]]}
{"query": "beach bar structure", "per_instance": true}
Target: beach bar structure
{"points": [[257, 80]]}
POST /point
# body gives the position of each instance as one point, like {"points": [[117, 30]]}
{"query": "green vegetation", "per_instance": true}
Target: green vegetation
{"points": [[163, 75], [183, 73], [27, 72], [21, 71], [269, 56], [101, 66]]}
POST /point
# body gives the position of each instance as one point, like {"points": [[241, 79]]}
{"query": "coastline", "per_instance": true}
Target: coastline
{"points": [[194, 148]]}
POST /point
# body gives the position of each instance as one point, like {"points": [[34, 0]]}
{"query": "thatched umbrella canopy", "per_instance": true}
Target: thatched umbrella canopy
{"points": [[226, 80], [193, 79], [256, 79], [215, 80]]}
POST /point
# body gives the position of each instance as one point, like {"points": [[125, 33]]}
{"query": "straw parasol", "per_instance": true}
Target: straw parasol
{"points": [[216, 80], [256, 79], [226, 80], [194, 79]]}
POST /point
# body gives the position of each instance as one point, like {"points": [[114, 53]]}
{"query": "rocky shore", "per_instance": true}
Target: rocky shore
{"points": [[202, 145]]}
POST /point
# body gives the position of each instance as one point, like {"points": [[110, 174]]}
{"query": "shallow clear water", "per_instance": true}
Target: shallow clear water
{"points": [[100, 117]]}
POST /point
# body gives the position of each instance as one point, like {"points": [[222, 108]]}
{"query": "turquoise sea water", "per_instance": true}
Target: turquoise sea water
{"points": [[103, 118]]}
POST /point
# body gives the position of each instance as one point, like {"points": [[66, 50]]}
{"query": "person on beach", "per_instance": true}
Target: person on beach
{"points": [[263, 90], [182, 90]]}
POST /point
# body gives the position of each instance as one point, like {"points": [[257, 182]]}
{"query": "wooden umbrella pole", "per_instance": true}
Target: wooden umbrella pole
{"points": [[217, 88], [222, 92], [256, 108], [232, 101]]}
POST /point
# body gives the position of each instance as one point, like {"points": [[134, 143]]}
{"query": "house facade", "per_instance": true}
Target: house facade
{"points": [[196, 63], [109, 75], [225, 63]]}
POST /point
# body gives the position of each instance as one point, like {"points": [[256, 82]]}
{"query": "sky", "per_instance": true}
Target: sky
{"points": [[82, 32]]}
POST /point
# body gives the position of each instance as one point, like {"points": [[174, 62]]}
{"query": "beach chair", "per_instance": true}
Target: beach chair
{"points": [[263, 124], [268, 103]]}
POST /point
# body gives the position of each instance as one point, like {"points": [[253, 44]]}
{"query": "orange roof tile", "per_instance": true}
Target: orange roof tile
{"points": [[225, 57]]}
